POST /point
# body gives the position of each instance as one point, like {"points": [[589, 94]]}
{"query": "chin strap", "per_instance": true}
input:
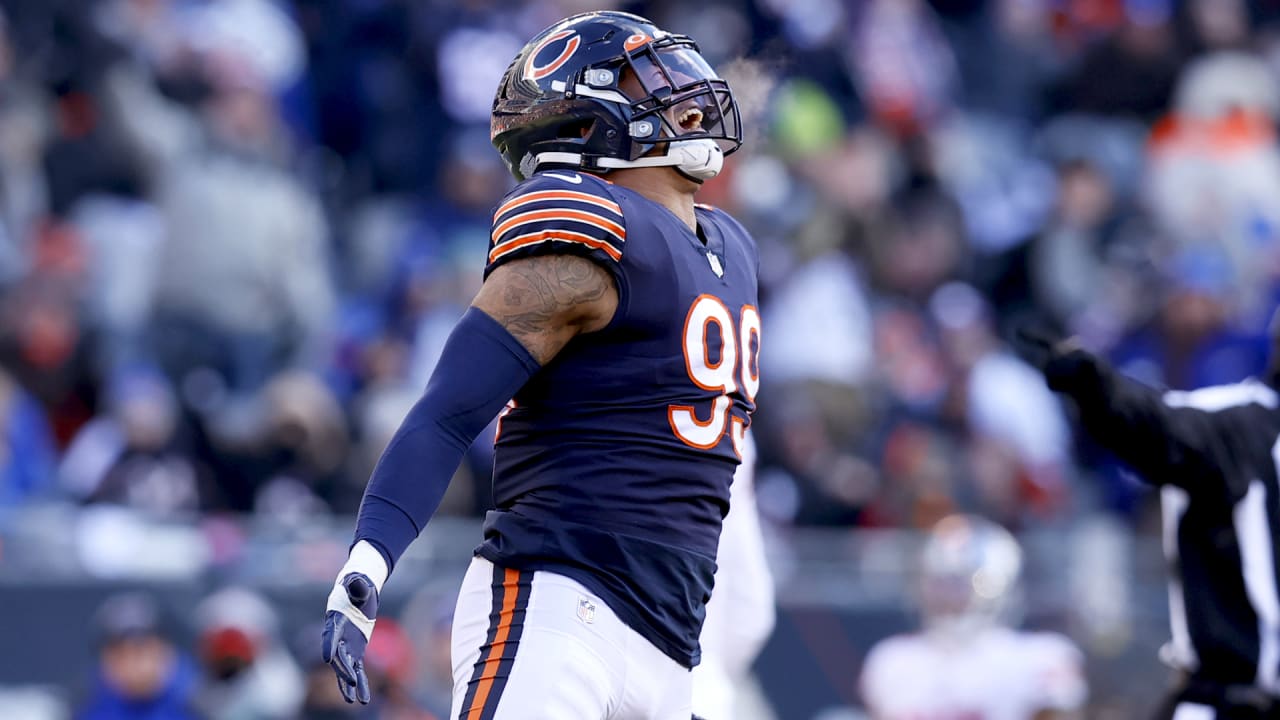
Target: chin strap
{"points": [[699, 158]]}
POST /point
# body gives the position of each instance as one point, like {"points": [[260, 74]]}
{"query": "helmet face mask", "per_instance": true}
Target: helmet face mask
{"points": [[608, 90], [673, 79]]}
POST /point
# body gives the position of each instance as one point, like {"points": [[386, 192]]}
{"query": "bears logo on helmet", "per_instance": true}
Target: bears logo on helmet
{"points": [[569, 99], [537, 72]]}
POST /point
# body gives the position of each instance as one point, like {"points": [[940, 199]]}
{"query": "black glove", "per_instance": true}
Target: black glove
{"points": [[1035, 344], [348, 624], [1067, 367]]}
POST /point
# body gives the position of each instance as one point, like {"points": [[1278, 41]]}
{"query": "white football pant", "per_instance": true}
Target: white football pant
{"points": [[539, 646]]}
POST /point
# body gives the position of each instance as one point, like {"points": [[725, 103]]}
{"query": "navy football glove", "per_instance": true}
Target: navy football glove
{"points": [[348, 624]]}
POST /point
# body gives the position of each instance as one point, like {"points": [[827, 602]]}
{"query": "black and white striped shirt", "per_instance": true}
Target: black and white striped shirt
{"points": [[1214, 453]]}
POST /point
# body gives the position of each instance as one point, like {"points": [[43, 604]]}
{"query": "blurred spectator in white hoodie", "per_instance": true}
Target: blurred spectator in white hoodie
{"points": [[248, 673]]}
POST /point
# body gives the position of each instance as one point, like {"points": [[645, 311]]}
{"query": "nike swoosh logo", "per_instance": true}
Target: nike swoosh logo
{"points": [[575, 179]]}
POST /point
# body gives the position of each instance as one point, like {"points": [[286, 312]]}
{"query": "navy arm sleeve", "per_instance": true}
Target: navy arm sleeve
{"points": [[1166, 444], [481, 368]]}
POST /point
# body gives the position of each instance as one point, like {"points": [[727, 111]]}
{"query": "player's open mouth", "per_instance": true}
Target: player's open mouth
{"points": [[690, 119]]}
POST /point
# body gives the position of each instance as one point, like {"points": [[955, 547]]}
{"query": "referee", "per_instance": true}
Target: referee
{"points": [[1214, 453]]}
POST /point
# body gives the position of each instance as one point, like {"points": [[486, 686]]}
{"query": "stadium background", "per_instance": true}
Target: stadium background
{"points": [[233, 234]]}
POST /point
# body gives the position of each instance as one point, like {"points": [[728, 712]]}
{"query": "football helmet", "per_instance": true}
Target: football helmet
{"points": [[969, 573], [606, 90]]}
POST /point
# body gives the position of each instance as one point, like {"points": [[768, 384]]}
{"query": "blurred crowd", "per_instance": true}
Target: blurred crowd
{"points": [[234, 660], [234, 234]]}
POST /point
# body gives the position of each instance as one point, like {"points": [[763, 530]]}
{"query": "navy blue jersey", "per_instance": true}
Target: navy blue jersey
{"points": [[613, 463]]}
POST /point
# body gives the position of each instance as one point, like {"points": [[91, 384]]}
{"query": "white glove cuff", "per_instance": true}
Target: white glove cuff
{"points": [[364, 558]]}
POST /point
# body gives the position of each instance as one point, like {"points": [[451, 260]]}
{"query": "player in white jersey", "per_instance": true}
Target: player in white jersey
{"points": [[741, 613], [966, 663]]}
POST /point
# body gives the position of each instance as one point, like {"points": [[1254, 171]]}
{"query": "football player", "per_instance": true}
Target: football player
{"points": [[619, 318], [967, 663]]}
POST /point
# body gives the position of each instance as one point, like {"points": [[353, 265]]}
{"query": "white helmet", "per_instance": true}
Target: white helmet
{"points": [[969, 570]]}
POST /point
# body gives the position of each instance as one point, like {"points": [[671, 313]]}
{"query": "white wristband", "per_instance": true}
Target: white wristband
{"points": [[365, 558]]}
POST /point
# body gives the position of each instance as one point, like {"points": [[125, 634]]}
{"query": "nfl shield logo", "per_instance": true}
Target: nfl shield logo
{"points": [[586, 610], [716, 267]]}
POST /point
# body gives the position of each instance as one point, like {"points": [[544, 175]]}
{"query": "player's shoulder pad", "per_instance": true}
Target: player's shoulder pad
{"points": [[1057, 665], [558, 210], [1051, 646], [894, 650], [888, 660]]}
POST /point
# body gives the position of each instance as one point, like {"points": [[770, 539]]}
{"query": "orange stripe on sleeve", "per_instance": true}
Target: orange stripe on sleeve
{"points": [[571, 195], [510, 579], [588, 218], [520, 241]]}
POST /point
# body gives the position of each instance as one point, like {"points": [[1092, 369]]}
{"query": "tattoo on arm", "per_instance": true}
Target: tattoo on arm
{"points": [[545, 300]]}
